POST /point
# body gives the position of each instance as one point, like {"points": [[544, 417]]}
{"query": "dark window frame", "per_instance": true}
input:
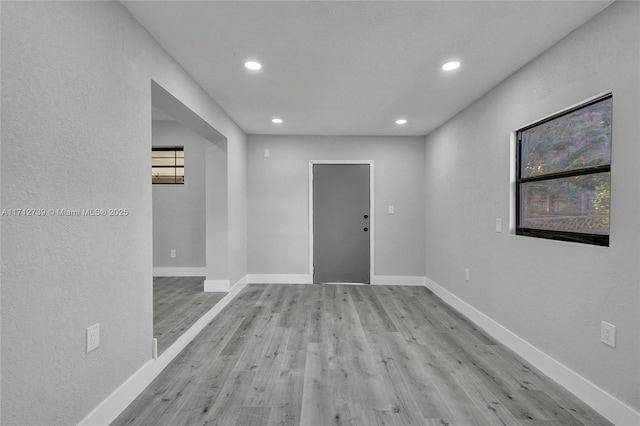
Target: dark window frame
{"points": [[586, 238], [175, 166]]}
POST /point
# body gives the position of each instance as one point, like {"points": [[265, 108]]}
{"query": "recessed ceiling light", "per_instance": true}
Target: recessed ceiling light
{"points": [[450, 66], [401, 121], [277, 121], [253, 65]]}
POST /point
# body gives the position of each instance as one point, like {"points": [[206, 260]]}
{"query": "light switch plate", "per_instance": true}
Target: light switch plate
{"points": [[498, 225], [392, 210]]}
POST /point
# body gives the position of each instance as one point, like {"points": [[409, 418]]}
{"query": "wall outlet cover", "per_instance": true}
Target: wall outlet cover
{"points": [[608, 334], [93, 337]]}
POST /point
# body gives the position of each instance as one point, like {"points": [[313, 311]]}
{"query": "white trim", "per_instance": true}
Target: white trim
{"points": [[308, 279], [125, 394], [600, 400], [242, 282], [372, 228], [280, 279], [217, 285], [180, 272], [398, 280]]}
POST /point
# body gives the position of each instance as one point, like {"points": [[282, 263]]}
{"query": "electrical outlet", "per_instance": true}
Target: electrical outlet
{"points": [[466, 274], [391, 210], [93, 337], [608, 334], [172, 253]]}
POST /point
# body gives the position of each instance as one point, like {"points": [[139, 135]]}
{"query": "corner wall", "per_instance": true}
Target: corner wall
{"points": [[552, 294], [76, 133]]}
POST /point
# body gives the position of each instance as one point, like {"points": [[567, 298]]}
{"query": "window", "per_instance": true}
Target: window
{"points": [[563, 183], [167, 165]]}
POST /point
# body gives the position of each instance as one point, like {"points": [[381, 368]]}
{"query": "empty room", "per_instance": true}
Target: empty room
{"points": [[320, 212]]}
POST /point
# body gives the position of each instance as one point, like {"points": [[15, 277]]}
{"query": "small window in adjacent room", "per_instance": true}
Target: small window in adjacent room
{"points": [[167, 165], [563, 182]]}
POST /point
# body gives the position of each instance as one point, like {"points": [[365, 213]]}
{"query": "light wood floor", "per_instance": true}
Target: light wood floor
{"points": [[349, 355], [178, 302]]}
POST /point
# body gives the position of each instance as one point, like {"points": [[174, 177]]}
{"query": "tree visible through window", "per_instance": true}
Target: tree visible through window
{"points": [[167, 165], [564, 175]]}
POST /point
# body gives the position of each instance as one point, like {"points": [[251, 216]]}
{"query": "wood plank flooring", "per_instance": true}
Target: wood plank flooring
{"points": [[350, 355], [178, 302]]}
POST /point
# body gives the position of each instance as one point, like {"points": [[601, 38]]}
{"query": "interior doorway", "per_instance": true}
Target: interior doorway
{"points": [[342, 223], [189, 219]]}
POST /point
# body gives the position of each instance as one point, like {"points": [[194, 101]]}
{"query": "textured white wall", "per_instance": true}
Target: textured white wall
{"points": [[179, 210], [552, 294], [76, 133], [279, 200], [237, 207], [217, 212]]}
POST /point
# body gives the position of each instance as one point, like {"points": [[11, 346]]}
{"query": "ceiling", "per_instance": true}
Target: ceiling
{"points": [[354, 67]]}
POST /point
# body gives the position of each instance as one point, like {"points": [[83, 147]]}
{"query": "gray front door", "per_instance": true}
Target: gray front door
{"points": [[341, 223]]}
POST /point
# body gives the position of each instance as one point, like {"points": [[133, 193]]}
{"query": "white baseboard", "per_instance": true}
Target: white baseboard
{"points": [[398, 280], [179, 272], [242, 283], [280, 279], [217, 285], [604, 403], [125, 394], [308, 279]]}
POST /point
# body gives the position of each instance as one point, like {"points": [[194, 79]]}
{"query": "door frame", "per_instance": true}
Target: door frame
{"points": [[372, 227]]}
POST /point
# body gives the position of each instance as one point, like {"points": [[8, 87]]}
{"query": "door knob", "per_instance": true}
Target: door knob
{"points": [[366, 229], [366, 216]]}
